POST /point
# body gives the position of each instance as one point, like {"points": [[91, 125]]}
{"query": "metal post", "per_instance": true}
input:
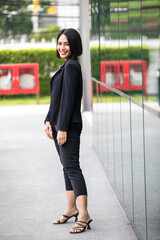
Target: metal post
{"points": [[85, 58]]}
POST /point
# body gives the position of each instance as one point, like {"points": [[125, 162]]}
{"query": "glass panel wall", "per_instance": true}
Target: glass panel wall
{"points": [[125, 63]]}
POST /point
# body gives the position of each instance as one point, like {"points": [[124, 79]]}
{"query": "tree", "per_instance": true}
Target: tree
{"points": [[15, 18]]}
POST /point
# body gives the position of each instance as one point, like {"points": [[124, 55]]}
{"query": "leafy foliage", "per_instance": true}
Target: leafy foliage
{"points": [[46, 58], [48, 62], [125, 18], [48, 34], [14, 18], [108, 54]]}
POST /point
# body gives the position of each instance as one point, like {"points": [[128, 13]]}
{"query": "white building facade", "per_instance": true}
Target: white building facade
{"points": [[68, 14]]}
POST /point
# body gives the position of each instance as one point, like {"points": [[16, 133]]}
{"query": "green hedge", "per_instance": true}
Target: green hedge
{"points": [[46, 58], [48, 61], [108, 54]]}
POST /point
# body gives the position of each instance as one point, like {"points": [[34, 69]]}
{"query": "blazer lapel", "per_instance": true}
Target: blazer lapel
{"points": [[61, 67], [55, 74]]}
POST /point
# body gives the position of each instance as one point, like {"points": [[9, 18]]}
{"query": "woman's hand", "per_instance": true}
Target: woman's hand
{"points": [[48, 130], [61, 137]]}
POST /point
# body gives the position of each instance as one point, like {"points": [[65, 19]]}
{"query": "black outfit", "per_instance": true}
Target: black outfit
{"points": [[65, 115]]}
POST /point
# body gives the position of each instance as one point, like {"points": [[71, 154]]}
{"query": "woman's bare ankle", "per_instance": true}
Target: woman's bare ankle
{"points": [[71, 211], [83, 215]]}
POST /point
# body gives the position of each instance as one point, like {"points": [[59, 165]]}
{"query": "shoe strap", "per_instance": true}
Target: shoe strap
{"points": [[80, 224], [75, 215], [83, 222], [79, 227], [65, 216]]}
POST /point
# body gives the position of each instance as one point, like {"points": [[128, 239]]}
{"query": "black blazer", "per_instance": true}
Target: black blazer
{"points": [[66, 95]]}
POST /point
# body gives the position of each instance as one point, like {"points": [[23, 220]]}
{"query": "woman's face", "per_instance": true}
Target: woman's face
{"points": [[63, 47]]}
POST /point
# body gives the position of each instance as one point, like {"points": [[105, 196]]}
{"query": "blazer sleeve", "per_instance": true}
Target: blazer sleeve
{"points": [[68, 96], [47, 119]]}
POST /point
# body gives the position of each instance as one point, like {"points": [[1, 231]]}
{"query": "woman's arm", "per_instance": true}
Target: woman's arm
{"points": [[61, 137], [48, 130], [68, 97], [47, 119]]}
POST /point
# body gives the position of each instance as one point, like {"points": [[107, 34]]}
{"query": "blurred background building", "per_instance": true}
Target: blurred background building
{"points": [[37, 16]]}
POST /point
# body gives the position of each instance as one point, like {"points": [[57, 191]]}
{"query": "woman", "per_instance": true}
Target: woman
{"points": [[63, 123]]}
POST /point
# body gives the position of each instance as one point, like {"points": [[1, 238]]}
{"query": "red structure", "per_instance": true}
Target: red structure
{"points": [[124, 75], [19, 79]]}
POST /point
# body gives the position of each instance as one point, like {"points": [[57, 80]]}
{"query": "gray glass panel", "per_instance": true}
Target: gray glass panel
{"points": [[138, 168], [152, 157], [129, 135]]}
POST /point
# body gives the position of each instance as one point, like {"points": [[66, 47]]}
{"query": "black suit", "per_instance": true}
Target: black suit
{"points": [[66, 94], [65, 114]]}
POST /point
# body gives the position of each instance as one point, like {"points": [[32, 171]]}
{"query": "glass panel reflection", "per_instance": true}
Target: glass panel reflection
{"points": [[138, 167], [152, 155], [136, 75], [110, 75], [127, 155]]}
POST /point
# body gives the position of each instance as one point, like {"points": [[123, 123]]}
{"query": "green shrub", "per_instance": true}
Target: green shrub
{"points": [[46, 58], [47, 34], [109, 54], [48, 62]]}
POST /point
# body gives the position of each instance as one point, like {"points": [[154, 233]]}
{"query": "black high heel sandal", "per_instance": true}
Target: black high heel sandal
{"points": [[81, 228], [67, 218]]}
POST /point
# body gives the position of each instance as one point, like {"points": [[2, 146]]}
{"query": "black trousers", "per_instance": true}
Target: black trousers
{"points": [[69, 157]]}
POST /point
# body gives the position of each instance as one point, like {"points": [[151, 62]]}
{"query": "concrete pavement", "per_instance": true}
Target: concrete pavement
{"points": [[32, 188]]}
